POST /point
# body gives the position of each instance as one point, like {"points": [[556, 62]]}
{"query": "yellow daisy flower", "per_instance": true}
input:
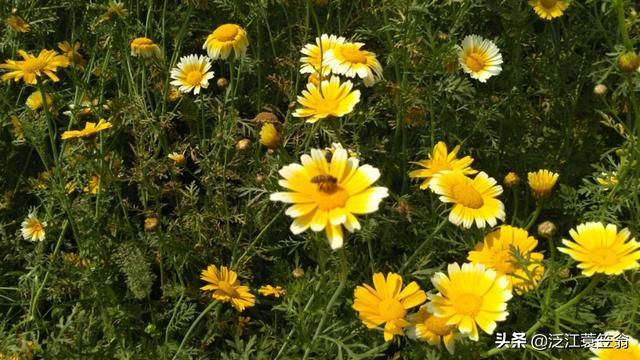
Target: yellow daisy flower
{"points": [[432, 329], [269, 136], [18, 24], [34, 101], [192, 73], [268, 290], [93, 186], [178, 158], [327, 195], [497, 252], [480, 58], [600, 249], [549, 9], [225, 38], [440, 160], [612, 352], [349, 60], [145, 47], [335, 99], [315, 54], [28, 69], [470, 296], [90, 129], [541, 182], [225, 287], [33, 229], [387, 303], [473, 199], [73, 53]]}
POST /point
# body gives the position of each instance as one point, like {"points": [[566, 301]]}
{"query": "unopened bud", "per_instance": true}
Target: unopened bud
{"points": [[511, 180], [628, 62], [259, 179], [547, 229], [402, 207], [298, 273], [222, 83], [600, 89], [243, 144]]}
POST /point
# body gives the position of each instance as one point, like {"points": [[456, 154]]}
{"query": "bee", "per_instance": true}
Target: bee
{"points": [[326, 183]]}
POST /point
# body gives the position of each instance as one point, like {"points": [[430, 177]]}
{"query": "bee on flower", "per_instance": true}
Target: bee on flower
{"points": [[326, 195]]}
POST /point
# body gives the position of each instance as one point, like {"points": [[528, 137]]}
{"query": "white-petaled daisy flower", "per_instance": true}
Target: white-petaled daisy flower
{"points": [[480, 58], [317, 53], [349, 60], [33, 228], [192, 73]]}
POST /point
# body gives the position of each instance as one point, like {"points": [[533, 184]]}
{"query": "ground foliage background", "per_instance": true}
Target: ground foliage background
{"points": [[133, 294]]}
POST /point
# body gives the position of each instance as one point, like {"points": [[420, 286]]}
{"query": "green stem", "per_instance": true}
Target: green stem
{"points": [[535, 215], [622, 26], [419, 249], [577, 298], [193, 325], [34, 301], [343, 281]]}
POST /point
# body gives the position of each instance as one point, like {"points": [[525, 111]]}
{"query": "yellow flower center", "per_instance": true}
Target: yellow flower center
{"points": [[439, 165], [438, 325], [502, 261], [329, 195], [354, 55], [548, 3], [35, 227], [391, 309], [476, 62], [194, 77], [228, 288], [466, 195], [468, 304], [605, 256], [226, 32], [33, 65]]}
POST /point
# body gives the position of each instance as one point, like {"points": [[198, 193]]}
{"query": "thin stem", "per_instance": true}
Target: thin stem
{"points": [[34, 301], [343, 281], [419, 249], [193, 325], [534, 216]]}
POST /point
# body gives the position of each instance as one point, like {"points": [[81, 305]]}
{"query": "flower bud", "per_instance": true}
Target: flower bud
{"points": [[628, 62], [600, 89], [222, 83], [243, 144], [511, 180], [298, 273], [547, 229]]}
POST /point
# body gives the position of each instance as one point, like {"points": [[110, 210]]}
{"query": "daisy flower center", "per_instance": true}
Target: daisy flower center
{"points": [[194, 77], [438, 325], [33, 65], [327, 106], [35, 227], [475, 61], [468, 304], [227, 288], [354, 55], [226, 32], [466, 195], [605, 257], [548, 3], [391, 309], [329, 195]]}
